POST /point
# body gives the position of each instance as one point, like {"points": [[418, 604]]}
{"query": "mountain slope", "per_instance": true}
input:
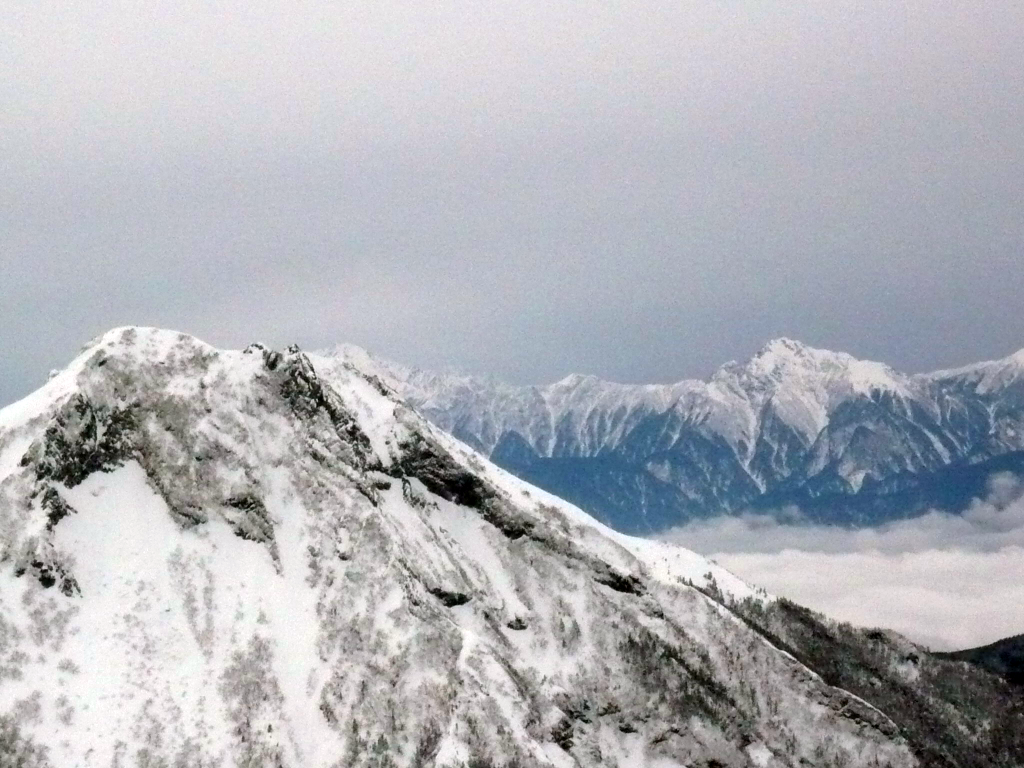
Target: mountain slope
{"points": [[1004, 658], [218, 559], [794, 424]]}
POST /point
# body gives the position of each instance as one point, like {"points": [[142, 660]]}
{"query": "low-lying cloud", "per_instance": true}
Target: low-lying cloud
{"points": [[944, 599], [945, 580]]}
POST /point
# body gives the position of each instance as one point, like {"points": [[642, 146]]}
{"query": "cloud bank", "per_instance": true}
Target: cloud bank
{"points": [[946, 600], [947, 581]]}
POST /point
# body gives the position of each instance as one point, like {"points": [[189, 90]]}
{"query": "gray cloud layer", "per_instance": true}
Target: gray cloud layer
{"points": [[948, 581], [987, 526], [944, 599], [525, 189]]}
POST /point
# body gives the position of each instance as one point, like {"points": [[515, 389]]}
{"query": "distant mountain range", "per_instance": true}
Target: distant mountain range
{"points": [[846, 441]]}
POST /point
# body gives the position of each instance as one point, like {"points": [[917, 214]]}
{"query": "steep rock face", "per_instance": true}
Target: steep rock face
{"points": [[794, 425], [217, 558]]}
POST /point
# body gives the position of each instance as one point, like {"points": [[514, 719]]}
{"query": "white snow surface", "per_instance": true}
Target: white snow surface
{"points": [[585, 413], [922, 425], [264, 569]]}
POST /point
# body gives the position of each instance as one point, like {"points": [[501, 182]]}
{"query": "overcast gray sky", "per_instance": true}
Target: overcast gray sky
{"points": [[641, 191]]}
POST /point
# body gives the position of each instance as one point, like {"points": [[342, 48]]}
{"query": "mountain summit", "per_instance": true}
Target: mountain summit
{"points": [[217, 558], [847, 440]]}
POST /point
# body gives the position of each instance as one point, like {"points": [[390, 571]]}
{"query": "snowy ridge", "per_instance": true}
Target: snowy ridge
{"points": [[214, 558], [793, 422], [806, 383]]}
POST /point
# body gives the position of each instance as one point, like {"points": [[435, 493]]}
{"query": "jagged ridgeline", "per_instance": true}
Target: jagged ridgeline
{"points": [[214, 558], [846, 441]]}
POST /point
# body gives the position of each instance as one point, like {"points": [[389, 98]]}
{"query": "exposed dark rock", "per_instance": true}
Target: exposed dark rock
{"points": [[627, 583], [506, 520], [309, 397], [83, 439], [578, 711], [423, 459], [272, 359], [517, 624], [254, 524], [56, 508], [50, 574], [449, 599], [378, 385], [18, 750], [562, 734], [184, 509], [440, 473]]}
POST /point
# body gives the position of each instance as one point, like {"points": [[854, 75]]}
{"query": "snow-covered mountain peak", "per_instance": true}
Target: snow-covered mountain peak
{"points": [[784, 355], [357, 356], [792, 414], [792, 363], [984, 378], [1010, 365], [575, 380], [802, 383], [129, 345], [267, 559], [784, 351], [210, 523], [143, 347], [1015, 360], [146, 341]]}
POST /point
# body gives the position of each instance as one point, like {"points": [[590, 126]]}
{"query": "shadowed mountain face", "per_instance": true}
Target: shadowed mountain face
{"points": [[217, 558], [1004, 658], [848, 441]]}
